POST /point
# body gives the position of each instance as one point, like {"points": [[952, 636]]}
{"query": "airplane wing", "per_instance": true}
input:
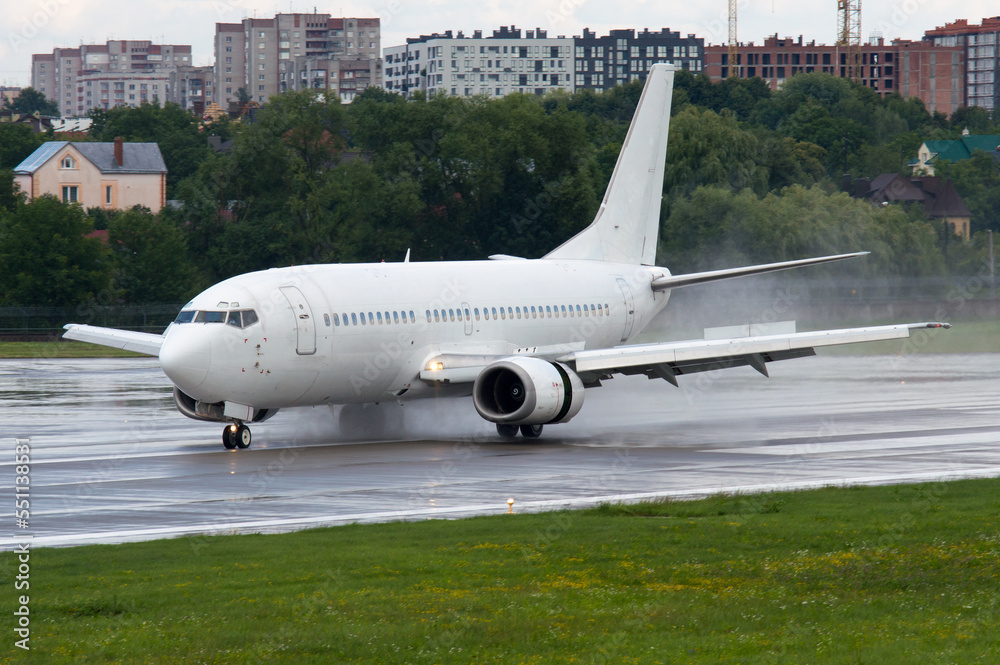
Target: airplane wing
{"points": [[669, 360], [129, 340]]}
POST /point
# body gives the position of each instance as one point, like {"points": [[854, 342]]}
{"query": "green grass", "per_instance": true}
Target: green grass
{"points": [[904, 574], [61, 349]]}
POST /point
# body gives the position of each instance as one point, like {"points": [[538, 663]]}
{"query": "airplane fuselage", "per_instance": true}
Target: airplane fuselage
{"points": [[341, 334]]}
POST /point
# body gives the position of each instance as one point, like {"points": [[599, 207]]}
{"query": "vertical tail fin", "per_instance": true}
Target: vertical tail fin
{"points": [[626, 227]]}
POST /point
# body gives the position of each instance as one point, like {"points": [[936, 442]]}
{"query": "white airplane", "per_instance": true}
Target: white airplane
{"points": [[524, 337]]}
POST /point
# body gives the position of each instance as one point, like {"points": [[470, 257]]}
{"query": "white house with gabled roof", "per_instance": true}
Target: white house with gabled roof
{"points": [[114, 176]]}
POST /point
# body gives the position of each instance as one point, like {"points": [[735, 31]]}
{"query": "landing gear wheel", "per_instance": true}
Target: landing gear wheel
{"points": [[236, 436], [506, 431], [531, 431], [242, 436], [229, 438]]}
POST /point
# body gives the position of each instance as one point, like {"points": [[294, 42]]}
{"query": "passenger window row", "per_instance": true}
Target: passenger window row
{"points": [[372, 318], [465, 314]]}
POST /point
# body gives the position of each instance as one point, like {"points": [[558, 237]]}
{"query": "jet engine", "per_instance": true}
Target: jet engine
{"points": [[527, 391], [212, 412]]}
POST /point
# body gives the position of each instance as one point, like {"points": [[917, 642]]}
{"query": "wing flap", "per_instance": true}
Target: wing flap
{"points": [[128, 340], [703, 355]]}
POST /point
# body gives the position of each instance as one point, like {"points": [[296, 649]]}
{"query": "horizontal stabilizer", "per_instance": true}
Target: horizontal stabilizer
{"points": [[128, 340], [678, 281]]}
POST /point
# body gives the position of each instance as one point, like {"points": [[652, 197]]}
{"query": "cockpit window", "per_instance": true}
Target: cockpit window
{"points": [[239, 319], [210, 317]]}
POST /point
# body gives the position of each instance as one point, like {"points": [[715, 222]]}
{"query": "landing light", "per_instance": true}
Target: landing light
{"points": [[233, 428], [435, 366]]}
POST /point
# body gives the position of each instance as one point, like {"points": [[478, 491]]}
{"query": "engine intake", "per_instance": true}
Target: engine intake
{"points": [[212, 412], [527, 391]]}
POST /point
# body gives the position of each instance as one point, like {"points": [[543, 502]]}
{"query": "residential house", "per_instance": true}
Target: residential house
{"points": [[939, 197], [114, 176], [39, 123], [955, 151]]}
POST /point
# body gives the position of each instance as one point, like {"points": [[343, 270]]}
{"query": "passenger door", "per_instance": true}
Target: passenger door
{"points": [[305, 327]]}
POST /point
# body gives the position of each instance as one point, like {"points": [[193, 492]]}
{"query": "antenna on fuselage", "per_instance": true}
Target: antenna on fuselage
{"points": [[406, 259]]}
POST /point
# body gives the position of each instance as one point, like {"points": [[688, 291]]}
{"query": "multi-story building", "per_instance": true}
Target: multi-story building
{"points": [[193, 87], [934, 74], [345, 77], [912, 69], [492, 66], [507, 62], [982, 68], [778, 59], [62, 75], [622, 55], [105, 90], [266, 56]]}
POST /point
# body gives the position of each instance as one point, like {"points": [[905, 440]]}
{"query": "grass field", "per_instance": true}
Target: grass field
{"points": [[904, 574], [60, 349]]}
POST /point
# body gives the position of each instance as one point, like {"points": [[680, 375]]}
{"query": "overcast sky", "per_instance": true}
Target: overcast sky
{"points": [[38, 26]]}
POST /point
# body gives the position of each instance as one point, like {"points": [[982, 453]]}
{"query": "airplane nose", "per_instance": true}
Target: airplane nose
{"points": [[185, 357]]}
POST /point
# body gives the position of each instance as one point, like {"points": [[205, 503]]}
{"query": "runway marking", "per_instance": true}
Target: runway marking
{"points": [[820, 447], [499, 507]]}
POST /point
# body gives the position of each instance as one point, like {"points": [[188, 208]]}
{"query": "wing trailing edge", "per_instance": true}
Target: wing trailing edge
{"points": [[667, 360]]}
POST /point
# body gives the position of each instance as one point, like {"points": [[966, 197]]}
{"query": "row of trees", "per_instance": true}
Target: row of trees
{"points": [[751, 175]]}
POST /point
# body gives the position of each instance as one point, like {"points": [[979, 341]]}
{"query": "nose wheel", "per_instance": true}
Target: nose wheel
{"points": [[236, 435]]}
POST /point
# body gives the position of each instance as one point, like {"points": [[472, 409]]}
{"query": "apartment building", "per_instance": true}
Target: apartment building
{"points": [[63, 74], [778, 59], [982, 68], [620, 56], [934, 74], [266, 56], [456, 64]]}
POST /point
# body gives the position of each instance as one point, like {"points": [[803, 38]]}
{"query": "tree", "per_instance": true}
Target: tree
{"points": [[149, 259], [974, 118], [17, 142], [705, 148], [716, 228], [172, 128], [46, 258], [10, 195], [30, 101], [977, 181]]}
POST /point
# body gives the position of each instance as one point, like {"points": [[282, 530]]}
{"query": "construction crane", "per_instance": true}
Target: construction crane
{"points": [[734, 65], [849, 36]]}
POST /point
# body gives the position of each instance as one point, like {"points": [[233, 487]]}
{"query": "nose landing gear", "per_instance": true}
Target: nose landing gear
{"points": [[236, 435]]}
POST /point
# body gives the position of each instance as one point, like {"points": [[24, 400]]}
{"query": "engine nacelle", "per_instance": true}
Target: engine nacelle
{"points": [[212, 412], [527, 391]]}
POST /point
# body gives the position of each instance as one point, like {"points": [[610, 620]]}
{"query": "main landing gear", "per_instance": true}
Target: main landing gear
{"points": [[236, 435], [527, 431]]}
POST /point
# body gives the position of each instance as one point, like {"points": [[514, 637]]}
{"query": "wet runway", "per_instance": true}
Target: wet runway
{"points": [[113, 461]]}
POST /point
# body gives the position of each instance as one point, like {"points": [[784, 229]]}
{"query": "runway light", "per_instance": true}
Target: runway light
{"points": [[510, 505]]}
